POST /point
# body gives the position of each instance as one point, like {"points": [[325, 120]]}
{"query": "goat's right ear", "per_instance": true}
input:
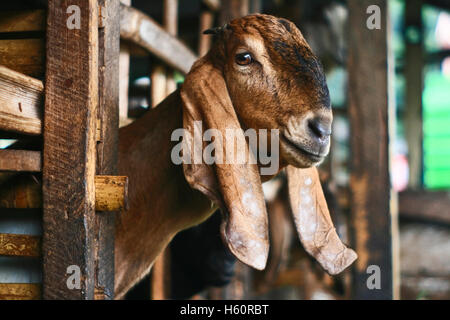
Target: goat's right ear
{"points": [[236, 188]]}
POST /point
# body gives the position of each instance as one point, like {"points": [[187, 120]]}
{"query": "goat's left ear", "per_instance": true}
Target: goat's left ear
{"points": [[313, 222], [236, 188]]}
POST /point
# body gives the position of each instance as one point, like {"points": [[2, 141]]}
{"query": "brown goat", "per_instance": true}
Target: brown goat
{"points": [[259, 74]]}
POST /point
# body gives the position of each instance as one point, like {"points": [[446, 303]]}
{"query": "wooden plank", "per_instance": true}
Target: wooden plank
{"points": [[23, 55], [19, 245], [111, 193], [139, 28], [22, 191], [206, 22], [20, 160], [369, 183], [233, 9], [20, 291], [108, 114], [71, 99], [22, 21], [21, 99], [432, 206], [414, 61]]}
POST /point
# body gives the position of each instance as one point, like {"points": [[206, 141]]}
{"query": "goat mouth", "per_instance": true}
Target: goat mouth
{"points": [[299, 150]]}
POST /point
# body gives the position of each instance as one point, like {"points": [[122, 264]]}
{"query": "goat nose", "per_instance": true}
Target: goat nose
{"points": [[320, 127]]}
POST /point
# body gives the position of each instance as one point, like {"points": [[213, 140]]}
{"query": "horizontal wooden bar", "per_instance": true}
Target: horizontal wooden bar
{"points": [[19, 245], [20, 160], [26, 56], [427, 205], [20, 191], [140, 29], [22, 21], [21, 100], [25, 192], [20, 291], [111, 193]]}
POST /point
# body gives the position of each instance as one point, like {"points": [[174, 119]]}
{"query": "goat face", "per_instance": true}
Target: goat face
{"points": [[276, 82]]}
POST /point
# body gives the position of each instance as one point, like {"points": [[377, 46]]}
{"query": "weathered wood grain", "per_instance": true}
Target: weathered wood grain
{"points": [[71, 99], [20, 291], [23, 55], [20, 160], [111, 193], [108, 114], [21, 99], [137, 27], [19, 245], [370, 184]]}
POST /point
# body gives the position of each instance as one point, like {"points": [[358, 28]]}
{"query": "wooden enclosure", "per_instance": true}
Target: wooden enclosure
{"points": [[64, 93]]}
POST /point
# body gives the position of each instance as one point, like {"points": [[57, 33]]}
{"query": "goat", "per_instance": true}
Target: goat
{"points": [[260, 74]]}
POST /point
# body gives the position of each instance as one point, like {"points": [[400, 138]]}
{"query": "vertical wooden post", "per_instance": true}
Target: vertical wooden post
{"points": [[163, 84], [108, 115], [124, 71], [232, 9], [370, 182], [206, 22], [71, 99], [414, 89]]}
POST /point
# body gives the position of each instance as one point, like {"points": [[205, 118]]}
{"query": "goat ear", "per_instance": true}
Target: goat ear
{"points": [[236, 188], [313, 222]]}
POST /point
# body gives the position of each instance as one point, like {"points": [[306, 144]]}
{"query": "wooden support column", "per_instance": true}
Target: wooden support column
{"points": [[232, 9], [163, 84], [69, 164], [370, 182], [206, 22], [414, 87], [108, 118]]}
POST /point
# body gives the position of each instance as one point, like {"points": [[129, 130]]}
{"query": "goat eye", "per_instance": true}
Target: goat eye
{"points": [[244, 59]]}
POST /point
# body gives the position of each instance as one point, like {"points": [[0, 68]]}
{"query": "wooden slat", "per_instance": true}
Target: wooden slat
{"points": [[414, 61], [19, 245], [108, 114], [370, 183], [71, 99], [24, 192], [111, 193], [23, 55], [20, 291], [22, 21], [425, 205], [21, 100], [20, 160], [139, 28]]}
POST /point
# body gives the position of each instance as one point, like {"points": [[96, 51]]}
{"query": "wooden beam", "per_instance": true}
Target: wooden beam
{"points": [[22, 21], [111, 193], [20, 160], [233, 9], [21, 100], [71, 99], [23, 55], [425, 205], [369, 182], [139, 28], [19, 245], [114, 188], [24, 192], [414, 61], [20, 291]]}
